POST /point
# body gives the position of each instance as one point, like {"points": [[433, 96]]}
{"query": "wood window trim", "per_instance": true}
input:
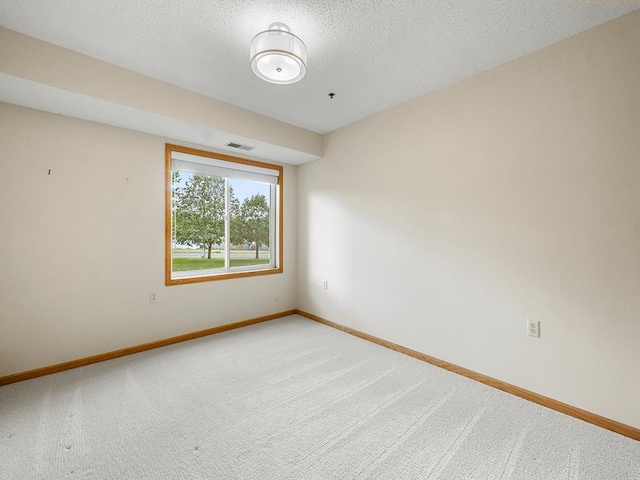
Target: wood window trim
{"points": [[169, 148]]}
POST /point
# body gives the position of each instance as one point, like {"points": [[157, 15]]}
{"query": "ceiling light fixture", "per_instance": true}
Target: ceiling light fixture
{"points": [[278, 56]]}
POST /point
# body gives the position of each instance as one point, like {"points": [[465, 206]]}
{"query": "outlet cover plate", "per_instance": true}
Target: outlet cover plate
{"points": [[533, 328]]}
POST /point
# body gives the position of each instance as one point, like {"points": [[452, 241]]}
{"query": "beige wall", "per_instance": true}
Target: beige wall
{"points": [[445, 223], [83, 247]]}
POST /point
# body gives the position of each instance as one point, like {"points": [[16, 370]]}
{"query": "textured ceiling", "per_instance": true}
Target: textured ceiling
{"points": [[374, 54]]}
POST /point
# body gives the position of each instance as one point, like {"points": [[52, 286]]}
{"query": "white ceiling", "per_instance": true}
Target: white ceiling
{"points": [[374, 54]]}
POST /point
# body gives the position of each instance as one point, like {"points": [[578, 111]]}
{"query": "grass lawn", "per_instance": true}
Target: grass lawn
{"points": [[184, 264]]}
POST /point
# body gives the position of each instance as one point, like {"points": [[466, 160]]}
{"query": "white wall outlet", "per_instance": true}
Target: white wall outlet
{"points": [[153, 297], [533, 328], [325, 284]]}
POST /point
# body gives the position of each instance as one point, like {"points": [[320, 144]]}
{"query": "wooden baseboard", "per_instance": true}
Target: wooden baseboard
{"points": [[589, 417], [60, 367], [575, 412]]}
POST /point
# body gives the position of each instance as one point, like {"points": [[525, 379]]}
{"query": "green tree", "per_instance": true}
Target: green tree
{"points": [[199, 212], [250, 221]]}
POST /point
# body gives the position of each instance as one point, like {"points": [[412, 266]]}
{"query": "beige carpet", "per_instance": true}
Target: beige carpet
{"points": [[290, 399]]}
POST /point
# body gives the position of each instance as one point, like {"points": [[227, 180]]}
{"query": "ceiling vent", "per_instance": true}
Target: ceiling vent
{"points": [[239, 146]]}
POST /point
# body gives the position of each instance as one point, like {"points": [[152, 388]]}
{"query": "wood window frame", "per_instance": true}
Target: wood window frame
{"points": [[169, 148]]}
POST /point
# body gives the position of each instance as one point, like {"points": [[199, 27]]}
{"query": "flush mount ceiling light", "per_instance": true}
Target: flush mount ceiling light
{"points": [[278, 56]]}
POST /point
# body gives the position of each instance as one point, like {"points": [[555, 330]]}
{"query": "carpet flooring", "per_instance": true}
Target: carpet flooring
{"points": [[290, 399]]}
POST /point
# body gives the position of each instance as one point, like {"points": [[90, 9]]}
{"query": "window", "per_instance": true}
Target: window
{"points": [[223, 216]]}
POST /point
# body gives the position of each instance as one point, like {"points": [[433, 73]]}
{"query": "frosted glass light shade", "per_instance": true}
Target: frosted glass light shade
{"points": [[278, 56]]}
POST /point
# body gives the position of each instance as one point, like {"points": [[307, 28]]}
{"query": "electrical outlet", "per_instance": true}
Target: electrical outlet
{"points": [[325, 285], [533, 328], [153, 297]]}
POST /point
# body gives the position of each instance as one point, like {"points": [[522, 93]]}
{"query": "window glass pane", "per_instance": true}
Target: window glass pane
{"points": [[198, 224], [250, 204]]}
